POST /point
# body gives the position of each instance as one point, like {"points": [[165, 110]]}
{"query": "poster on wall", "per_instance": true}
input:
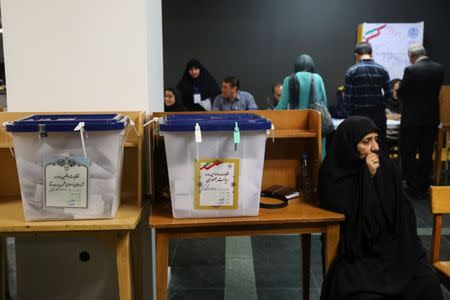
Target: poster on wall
{"points": [[390, 43], [216, 184]]}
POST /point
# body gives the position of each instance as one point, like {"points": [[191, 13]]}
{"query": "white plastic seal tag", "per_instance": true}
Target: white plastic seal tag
{"points": [[80, 128], [198, 138], [198, 133]]}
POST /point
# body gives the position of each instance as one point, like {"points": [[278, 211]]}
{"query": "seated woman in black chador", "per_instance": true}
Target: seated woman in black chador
{"points": [[380, 255], [172, 100]]}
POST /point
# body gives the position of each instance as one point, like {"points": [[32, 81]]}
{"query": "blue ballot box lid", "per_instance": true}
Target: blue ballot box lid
{"points": [[214, 122], [68, 122]]}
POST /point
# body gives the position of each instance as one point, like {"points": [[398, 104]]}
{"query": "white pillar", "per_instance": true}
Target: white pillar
{"points": [[83, 55]]}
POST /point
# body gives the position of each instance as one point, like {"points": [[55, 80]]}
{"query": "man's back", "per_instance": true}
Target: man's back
{"points": [[419, 92], [366, 87]]}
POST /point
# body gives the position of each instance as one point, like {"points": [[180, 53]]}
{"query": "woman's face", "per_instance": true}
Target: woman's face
{"points": [[369, 144], [194, 72], [395, 89], [169, 98]]}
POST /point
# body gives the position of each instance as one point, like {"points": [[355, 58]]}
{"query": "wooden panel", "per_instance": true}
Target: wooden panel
{"points": [[296, 212], [315, 123], [297, 132], [242, 230], [12, 220], [282, 172], [294, 133], [440, 199], [130, 178], [8, 176], [282, 119], [445, 104]]}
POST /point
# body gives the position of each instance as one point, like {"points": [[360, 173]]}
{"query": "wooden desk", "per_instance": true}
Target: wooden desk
{"points": [[116, 233], [298, 217], [296, 132], [442, 131]]}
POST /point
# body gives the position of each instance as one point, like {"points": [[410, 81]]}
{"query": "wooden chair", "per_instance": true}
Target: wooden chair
{"points": [[440, 205], [444, 129]]}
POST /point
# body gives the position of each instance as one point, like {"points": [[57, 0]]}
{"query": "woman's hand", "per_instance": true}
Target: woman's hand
{"points": [[373, 162]]}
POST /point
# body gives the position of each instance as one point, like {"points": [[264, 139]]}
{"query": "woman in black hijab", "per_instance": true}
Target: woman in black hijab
{"points": [[197, 84], [380, 255], [172, 100]]}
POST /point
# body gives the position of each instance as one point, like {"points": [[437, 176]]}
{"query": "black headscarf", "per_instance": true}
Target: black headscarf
{"points": [[379, 240], [177, 106], [204, 83]]}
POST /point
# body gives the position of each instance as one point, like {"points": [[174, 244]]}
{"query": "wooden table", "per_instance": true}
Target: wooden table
{"points": [[115, 233], [299, 217]]}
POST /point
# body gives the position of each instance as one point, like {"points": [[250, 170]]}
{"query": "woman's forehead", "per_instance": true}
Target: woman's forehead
{"points": [[370, 136]]}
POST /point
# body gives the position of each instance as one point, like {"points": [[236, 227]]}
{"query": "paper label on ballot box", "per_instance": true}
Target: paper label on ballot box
{"points": [[66, 181], [216, 184]]}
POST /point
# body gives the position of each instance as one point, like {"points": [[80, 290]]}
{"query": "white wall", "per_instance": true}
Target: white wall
{"points": [[83, 55], [155, 62]]}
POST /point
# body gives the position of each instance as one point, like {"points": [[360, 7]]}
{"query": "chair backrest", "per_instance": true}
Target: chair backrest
{"points": [[444, 103], [440, 204]]}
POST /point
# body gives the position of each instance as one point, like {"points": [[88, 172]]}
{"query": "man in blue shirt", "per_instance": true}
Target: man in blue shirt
{"points": [[367, 90], [232, 98]]}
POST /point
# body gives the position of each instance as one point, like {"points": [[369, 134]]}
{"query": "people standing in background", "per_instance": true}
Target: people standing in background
{"points": [[393, 109], [338, 110], [297, 97], [172, 100], [303, 68], [273, 100], [419, 92], [197, 86], [232, 98], [367, 90]]}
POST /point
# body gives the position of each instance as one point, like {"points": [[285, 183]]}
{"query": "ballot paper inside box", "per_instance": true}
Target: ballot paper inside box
{"points": [[215, 163], [66, 174]]}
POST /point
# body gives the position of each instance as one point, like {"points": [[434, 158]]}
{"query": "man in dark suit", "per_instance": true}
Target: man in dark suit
{"points": [[419, 94]]}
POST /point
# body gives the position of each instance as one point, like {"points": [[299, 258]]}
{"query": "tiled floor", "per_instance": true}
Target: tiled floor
{"points": [[268, 267]]}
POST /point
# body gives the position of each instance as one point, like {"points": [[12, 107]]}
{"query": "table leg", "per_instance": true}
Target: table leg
{"points": [[162, 263], [3, 263], [331, 244], [137, 245], [438, 156], [119, 241], [306, 264]]}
